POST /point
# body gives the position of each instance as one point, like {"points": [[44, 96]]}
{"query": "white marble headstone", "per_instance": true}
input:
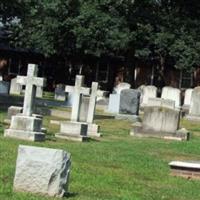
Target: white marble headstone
{"points": [[148, 91], [172, 94], [188, 96], [120, 87]]}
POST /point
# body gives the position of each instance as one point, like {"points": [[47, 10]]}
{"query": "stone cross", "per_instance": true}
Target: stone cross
{"points": [[31, 81], [78, 90], [92, 103]]}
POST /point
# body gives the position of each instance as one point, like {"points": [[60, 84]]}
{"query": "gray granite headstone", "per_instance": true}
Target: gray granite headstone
{"points": [[4, 87], [42, 171], [15, 88], [60, 92], [129, 102]]}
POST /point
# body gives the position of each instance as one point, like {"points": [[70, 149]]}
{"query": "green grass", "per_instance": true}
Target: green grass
{"points": [[114, 167]]}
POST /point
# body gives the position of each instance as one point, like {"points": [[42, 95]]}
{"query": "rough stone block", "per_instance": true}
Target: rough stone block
{"points": [[42, 170], [93, 130]]}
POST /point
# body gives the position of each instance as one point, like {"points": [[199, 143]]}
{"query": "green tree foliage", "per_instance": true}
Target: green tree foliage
{"points": [[165, 30]]}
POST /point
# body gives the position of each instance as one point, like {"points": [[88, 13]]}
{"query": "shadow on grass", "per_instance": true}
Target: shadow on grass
{"points": [[104, 117], [70, 194]]}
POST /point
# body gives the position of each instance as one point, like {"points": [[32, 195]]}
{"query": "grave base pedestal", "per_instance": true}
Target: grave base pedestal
{"points": [[25, 128], [75, 131], [179, 135], [133, 118], [193, 118], [93, 130]]}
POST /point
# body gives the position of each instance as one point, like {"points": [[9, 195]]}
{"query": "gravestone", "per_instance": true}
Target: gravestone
{"points": [[42, 171], [160, 120], [120, 87], [185, 169], [4, 87], [129, 102], [187, 100], [39, 92], [172, 94], [12, 111], [15, 88], [88, 111], [148, 91], [194, 111], [27, 126], [114, 103], [60, 92], [74, 129]]}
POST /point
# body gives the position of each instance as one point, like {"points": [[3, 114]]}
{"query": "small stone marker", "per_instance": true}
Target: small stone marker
{"points": [[75, 130], [42, 171], [161, 121], [26, 126], [194, 111], [12, 111], [15, 88], [189, 169], [148, 92], [60, 92], [172, 94]]}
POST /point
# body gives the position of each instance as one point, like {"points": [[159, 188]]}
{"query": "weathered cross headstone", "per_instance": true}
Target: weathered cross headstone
{"points": [[160, 120], [172, 94], [26, 126], [74, 129], [148, 91], [194, 111], [42, 171]]}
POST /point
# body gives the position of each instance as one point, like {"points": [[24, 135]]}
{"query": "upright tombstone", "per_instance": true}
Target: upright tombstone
{"points": [[26, 125], [4, 86], [173, 94], [194, 111], [39, 92], [88, 111], [129, 102], [114, 99], [187, 100], [42, 171], [125, 105], [60, 92], [160, 120], [15, 88], [148, 92], [74, 129]]}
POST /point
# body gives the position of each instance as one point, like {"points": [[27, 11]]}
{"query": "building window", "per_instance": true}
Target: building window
{"points": [[186, 79]]}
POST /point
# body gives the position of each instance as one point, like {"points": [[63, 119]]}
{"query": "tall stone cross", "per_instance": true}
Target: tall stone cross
{"points": [[78, 90], [92, 102], [31, 81]]}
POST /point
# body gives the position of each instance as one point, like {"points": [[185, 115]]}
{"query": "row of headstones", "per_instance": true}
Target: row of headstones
{"points": [[116, 102]]}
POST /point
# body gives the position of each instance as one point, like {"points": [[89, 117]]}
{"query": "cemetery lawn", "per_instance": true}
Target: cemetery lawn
{"points": [[114, 167]]}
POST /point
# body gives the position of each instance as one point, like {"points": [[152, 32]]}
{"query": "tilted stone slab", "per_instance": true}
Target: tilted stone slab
{"points": [[185, 169], [43, 171]]}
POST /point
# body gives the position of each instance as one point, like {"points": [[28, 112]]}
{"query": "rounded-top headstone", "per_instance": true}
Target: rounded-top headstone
{"points": [[172, 94], [120, 87], [195, 102]]}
